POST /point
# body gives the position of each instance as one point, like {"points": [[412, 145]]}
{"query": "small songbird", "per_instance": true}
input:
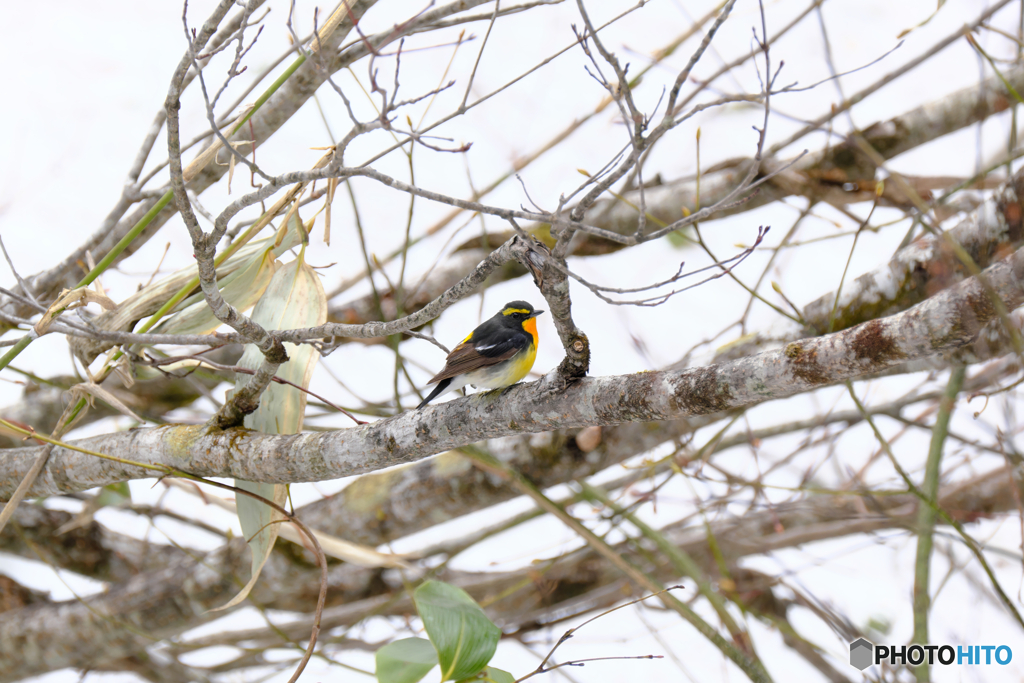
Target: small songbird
{"points": [[497, 354]]}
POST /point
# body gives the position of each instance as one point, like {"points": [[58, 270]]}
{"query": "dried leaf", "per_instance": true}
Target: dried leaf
{"points": [[261, 526], [332, 185], [362, 555], [589, 438], [123, 369], [242, 289], [210, 153], [294, 298], [88, 390], [339, 548], [71, 299], [291, 218], [148, 300]]}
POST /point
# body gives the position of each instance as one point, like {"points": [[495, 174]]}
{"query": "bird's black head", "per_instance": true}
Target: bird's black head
{"points": [[516, 312]]}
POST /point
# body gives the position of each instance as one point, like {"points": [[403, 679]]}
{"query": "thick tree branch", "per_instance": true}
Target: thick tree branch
{"points": [[916, 272], [566, 427], [947, 321], [384, 506], [928, 265], [371, 510]]}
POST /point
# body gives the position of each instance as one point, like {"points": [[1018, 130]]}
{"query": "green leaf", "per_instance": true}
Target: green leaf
{"points": [[464, 637], [114, 494], [682, 238], [405, 661], [491, 675]]}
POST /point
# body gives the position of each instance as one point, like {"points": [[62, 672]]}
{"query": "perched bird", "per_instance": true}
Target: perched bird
{"points": [[497, 354]]}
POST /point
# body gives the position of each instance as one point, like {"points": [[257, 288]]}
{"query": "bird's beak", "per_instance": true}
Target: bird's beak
{"points": [[534, 314]]}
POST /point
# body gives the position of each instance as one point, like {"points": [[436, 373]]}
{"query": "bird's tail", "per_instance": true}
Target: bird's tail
{"points": [[438, 390]]}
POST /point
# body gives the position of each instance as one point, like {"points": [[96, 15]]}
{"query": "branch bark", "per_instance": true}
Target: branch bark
{"points": [[949, 320]]}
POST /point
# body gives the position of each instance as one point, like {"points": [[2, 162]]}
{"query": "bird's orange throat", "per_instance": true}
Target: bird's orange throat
{"points": [[531, 327]]}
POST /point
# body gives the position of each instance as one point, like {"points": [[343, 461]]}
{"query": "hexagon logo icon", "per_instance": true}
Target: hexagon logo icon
{"points": [[861, 652]]}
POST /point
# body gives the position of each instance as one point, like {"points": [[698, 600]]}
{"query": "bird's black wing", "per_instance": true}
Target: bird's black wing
{"points": [[474, 354]]}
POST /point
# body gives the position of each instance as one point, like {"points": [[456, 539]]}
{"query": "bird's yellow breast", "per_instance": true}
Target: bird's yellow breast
{"points": [[507, 373], [523, 361]]}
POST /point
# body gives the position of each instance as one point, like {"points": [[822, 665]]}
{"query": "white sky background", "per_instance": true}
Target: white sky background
{"points": [[86, 79]]}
